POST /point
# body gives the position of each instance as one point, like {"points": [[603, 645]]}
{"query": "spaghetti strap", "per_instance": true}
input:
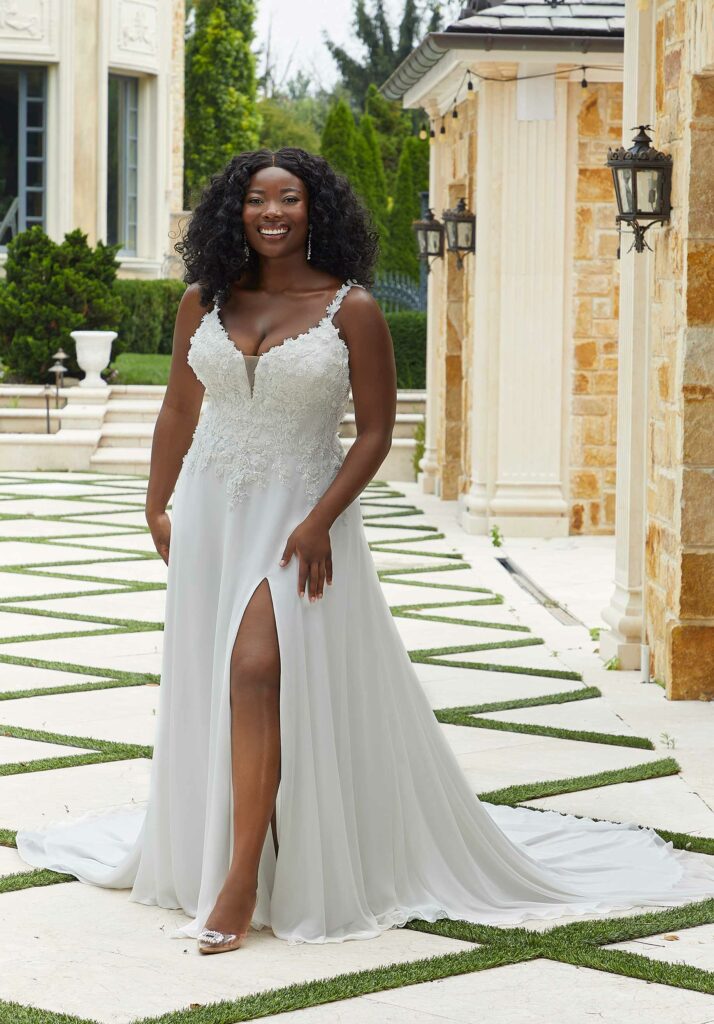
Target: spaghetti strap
{"points": [[339, 296]]}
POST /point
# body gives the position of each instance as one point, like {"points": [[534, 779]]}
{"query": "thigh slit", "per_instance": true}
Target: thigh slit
{"points": [[255, 660]]}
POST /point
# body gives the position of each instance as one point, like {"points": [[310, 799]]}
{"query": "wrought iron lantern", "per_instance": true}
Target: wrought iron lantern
{"points": [[460, 227], [643, 185], [430, 237]]}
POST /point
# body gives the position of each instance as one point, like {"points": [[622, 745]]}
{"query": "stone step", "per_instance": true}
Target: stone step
{"points": [[27, 396], [132, 410], [29, 420], [127, 435], [115, 459], [138, 390]]}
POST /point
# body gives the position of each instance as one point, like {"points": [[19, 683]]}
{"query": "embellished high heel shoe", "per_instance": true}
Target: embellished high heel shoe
{"points": [[212, 941]]}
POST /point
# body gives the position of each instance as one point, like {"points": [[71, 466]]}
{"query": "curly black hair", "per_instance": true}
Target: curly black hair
{"points": [[343, 240]]}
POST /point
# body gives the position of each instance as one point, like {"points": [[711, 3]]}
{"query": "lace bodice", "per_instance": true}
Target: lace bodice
{"points": [[281, 419]]}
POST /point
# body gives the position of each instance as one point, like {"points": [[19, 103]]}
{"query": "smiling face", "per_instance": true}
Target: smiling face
{"points": [[275, 212]]}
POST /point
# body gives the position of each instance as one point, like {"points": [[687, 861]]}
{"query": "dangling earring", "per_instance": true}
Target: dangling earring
{"points": [[309, 242], [246, 248]]}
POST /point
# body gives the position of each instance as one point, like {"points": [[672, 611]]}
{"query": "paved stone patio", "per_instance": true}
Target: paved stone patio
{"points": [[522, 697]]}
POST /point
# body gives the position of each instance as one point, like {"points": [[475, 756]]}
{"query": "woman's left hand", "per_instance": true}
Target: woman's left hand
{"points": [[310, 543]]}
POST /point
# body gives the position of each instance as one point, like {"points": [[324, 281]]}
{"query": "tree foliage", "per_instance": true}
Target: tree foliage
{"points": [[382, 53], [221, 114], [406, 207], [339, 144], [282, 125]]}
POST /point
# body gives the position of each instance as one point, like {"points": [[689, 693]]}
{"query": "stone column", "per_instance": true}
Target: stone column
{"points": [[624, 613], [428, 476], [88, 63], [517, 455], [473, 506]]}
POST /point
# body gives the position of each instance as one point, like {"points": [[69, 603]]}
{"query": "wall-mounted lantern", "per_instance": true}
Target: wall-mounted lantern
{"points": [[460, 227], [430, 237], [643, 185]]}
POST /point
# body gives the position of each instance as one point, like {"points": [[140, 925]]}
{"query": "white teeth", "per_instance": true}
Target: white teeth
{"points": [[273, 231]]}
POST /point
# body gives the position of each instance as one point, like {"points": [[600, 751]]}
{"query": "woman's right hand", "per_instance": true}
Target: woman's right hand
{"points": [[160, 529]]}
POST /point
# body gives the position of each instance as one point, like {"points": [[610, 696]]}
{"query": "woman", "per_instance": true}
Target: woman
{"points": [[300, 779]]}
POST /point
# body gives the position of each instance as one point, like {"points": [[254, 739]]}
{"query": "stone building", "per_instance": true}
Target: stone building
{"points": [[91, 123], [570, 391], [522, 351], [665, 465]]}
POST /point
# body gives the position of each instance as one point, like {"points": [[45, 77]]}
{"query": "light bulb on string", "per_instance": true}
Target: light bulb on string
{"points": [[454, 112], [422, 130], [442, 130], [584, 83]]}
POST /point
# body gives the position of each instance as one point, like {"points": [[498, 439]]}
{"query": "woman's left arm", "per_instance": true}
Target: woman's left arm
{"points": [[373, 378]]}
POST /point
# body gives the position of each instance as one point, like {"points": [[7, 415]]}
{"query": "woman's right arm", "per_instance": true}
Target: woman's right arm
{"points": [[176, 422]]}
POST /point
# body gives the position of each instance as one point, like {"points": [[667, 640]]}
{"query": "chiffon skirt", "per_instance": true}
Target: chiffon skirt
{"points": [[376, 822]]}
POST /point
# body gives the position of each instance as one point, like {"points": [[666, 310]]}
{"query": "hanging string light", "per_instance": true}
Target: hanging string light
{"points": [[469, 75], [422, 130]]}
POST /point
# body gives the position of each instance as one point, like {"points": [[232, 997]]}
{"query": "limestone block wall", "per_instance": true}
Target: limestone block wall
{"points": [[679, 584], [597, 121], [456, 158]]}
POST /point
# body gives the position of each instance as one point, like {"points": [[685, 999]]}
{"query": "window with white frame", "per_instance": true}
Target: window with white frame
{"points": [[23, 148], [122, 162]]}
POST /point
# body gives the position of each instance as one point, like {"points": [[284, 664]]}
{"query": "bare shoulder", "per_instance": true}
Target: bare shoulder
{"points": [[191, 301], [190, 310], [361, 301], [361, 312]]}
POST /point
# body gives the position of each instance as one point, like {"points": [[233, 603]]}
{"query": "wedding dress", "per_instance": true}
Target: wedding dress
{"points": [[376, 822]]}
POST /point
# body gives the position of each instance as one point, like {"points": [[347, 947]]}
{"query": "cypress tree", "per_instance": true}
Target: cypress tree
{"points": [[221, 114], [338, 145], [402, 248]]}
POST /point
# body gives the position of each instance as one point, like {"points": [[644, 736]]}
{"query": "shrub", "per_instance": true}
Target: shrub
{"points": [[51, 289], [148, 315], [408, 331]]}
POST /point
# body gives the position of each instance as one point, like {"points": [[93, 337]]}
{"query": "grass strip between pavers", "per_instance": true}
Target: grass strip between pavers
{"points": [[513, 795], [554, 731]]}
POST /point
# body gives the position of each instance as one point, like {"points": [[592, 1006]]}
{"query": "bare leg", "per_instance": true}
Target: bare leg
{"points": [[255, 754]]}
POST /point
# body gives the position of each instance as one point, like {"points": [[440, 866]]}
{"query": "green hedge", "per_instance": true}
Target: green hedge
{"points": [[148, 314], [150, 311], [147, 323], [408, 332]]}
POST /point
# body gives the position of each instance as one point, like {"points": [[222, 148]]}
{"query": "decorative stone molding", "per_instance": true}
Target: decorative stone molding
{"points": [[134, 34], [28, 29]]}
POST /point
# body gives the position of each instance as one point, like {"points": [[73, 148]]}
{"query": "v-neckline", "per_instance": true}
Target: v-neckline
{"points": [[293, 337], [259, 356]]}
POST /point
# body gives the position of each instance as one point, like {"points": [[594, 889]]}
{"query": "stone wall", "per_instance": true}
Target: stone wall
{"points": [[679, 585], [457, 169], [593, 411]]}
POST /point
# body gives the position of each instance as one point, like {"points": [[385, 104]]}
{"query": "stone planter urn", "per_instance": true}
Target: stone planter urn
{"points": [[93, 352]]}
